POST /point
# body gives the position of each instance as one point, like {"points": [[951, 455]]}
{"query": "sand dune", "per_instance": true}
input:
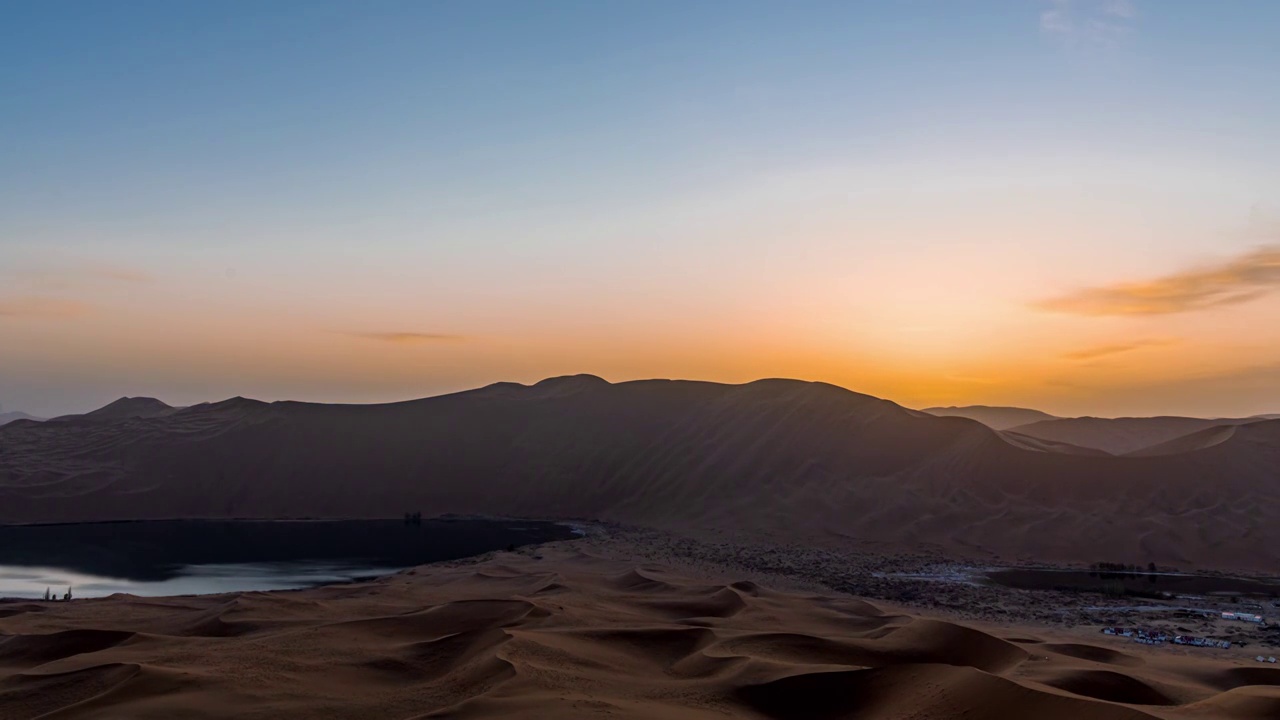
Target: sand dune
{"points": [[1199, 440], [1243, 704], [561, 631], [996, 418], [124, 409], [8, 417], [787, 460], [1027, 442], [1124, 436]]}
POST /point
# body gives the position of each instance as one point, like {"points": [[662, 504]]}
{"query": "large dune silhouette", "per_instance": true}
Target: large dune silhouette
{"points": [[792, 460], [124, 409]]}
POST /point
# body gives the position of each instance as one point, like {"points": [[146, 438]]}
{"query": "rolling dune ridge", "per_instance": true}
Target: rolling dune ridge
{"points": [[1129, 436], [564, 631]]}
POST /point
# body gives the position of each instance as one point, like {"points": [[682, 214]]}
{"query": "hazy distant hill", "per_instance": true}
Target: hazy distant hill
{"points": [[1121, 436], [123, 409], [996, 418], [6, 418], [798, 461]]}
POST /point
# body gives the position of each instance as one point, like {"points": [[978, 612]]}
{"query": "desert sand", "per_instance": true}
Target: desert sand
{"points": [[780, 459], [581, 629]]}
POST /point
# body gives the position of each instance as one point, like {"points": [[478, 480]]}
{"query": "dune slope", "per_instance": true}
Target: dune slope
{"points": [[561, 632]]}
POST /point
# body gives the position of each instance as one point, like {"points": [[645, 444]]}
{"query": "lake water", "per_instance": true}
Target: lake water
{"points": [[183, 557]]}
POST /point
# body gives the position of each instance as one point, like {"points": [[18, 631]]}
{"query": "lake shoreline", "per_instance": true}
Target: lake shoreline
{"points": [[200, 556]]}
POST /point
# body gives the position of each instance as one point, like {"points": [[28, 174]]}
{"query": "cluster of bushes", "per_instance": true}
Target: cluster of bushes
{"points": [[413, 518]]}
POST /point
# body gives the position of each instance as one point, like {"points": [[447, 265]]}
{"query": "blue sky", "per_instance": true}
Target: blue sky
{"points": [[652, 188]]}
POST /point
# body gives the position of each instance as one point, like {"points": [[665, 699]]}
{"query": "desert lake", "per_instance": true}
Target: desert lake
{"points": [[184, 557]]}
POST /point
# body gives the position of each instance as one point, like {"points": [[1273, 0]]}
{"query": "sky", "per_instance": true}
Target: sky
{"points": [[1072, 205]]}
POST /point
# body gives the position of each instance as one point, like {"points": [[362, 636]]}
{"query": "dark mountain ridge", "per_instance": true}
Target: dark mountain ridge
{"points": [[791, 460]]}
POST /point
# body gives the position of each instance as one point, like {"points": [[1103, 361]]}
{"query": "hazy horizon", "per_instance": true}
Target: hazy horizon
{"points": [[1066, 205], [5, 409]]}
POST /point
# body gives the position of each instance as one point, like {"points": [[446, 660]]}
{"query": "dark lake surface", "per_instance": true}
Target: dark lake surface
{"points": [[180, 557], [1133, 583]]}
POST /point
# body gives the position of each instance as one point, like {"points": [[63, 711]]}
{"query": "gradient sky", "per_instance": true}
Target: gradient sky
{"points": [[1072, 204]]}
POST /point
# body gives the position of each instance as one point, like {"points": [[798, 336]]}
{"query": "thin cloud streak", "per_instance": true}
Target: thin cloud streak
{"points": [[407, 338], [121, 274], [1101, 351], [1120, 8], [1235, 281], [42, 308], [80, 275], [1099, 22], [1057, 19]]}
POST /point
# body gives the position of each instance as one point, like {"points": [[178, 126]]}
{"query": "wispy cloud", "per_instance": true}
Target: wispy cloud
{"points": [[407, 338], [120, 274], [42, 308], [1057, 17], [79, 275], [1235, 281], [1101, 351], [1098, 22], [1120, 8]]}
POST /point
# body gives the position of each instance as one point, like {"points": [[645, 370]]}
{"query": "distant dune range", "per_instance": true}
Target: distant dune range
{"points": [[996, 418], [1123, 436], [791, 460], [1114, 436], [8, 417]]}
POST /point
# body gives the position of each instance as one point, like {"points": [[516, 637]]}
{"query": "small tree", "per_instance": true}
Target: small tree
{"points": [[47, 596]]}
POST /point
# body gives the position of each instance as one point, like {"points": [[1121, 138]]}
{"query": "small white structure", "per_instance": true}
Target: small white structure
{"points": [[1241, 617]]}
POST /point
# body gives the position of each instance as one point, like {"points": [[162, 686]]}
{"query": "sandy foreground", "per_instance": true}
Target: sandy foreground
{"points": [[615, 625]]}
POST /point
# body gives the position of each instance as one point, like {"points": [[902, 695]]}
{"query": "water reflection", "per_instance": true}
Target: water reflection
{"points": [[191, 557]]}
